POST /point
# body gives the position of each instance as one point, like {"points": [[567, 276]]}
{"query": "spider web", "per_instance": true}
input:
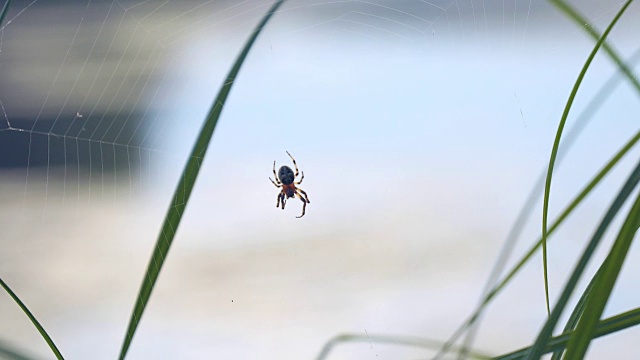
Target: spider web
{"points": [[95, 111], [100, 102]]}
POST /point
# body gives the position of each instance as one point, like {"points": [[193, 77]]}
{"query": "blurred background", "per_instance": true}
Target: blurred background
{"points": [[420, 127]]}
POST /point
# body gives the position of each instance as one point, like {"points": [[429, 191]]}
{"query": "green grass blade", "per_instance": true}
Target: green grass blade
{"points": [[4, 11], [582, 21], [185, 186], [567, 142], [577, 312], [35, 322], [563, 216], [568, 139], [386, 339], [590, 109], [586, 25], [579, 309], [582, 336], [605, 327], [547, 329], [556, 143]]}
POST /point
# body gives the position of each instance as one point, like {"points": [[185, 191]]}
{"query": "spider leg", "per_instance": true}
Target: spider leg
{"points": [[274, 183], [294, 164], [299, 182], [278, 203], [284, 200], [304, 205], [305, 195], [274, 173]]}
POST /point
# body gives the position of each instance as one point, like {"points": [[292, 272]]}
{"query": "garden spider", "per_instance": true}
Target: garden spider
{"points": [[285, 180]]}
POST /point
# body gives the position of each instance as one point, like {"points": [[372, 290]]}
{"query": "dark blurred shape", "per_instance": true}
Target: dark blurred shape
{"points": [[106, 142], [77, 82]]}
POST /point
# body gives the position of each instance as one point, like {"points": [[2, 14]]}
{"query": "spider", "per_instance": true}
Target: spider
{"points": [[285, 180]]}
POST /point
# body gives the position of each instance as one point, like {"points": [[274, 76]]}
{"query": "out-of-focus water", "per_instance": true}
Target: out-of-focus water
{"points": [[418, 149]]}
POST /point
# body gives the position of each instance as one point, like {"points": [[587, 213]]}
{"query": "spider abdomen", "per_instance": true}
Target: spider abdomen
{"points": [[289, 190], [286, 176]]}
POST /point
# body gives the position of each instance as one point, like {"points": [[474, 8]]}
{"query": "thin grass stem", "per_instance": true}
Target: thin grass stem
{"points": [[33, 319], [386, 339]]}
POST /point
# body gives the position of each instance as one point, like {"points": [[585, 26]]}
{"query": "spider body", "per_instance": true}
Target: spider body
{"points": [[285, 179], [286, 176]]}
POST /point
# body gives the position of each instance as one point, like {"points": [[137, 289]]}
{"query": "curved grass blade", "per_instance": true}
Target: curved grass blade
{"points": [[605, 327], [547, 329], [4, 11], [567, 142], [556, 143], [582, 336], [578, 310], [396, 340], [567, 211], [35, 322], [582, 21], [185, 186]]}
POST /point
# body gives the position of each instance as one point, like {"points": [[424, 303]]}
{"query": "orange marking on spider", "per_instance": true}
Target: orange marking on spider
{"points": [[285, 179]]}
